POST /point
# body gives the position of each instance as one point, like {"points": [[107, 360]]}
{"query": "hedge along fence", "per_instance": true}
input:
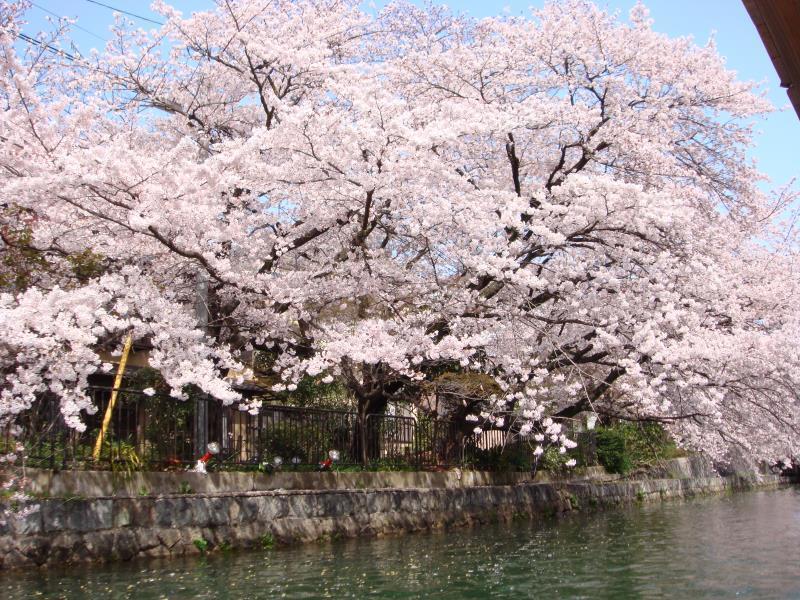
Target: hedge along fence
{"points": [[159, 432]]}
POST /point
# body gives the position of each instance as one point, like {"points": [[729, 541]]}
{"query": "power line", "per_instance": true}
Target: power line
{"points": [[130, 14], [46, 46], [75, 25]]}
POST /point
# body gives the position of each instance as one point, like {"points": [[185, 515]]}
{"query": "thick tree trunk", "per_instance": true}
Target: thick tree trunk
{"points": [[367, 434]]}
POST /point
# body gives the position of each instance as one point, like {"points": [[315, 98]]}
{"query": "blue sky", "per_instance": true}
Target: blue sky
{"points": [[735, 35]]}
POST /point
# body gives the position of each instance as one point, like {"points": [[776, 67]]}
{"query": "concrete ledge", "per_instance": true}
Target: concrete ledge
{"points": [[104, 484], [91, 484], [54, 531]]}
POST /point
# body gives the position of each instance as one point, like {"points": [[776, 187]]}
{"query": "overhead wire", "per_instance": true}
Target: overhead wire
{"points": [[75, 25], [46, 46], [36, 42], [125, 12]]}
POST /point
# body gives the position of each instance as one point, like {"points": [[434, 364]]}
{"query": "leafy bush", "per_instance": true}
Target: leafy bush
{"points": [[553, 461], [121, 457], [622, 447], [611, 450], [649, 442], [516, 457], [282, 439]]}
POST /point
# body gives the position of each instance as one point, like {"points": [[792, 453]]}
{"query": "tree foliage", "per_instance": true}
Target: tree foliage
{"points": [[562, 203]]}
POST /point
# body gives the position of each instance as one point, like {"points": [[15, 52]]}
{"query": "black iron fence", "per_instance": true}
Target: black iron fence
{"points": [[157, 431]]}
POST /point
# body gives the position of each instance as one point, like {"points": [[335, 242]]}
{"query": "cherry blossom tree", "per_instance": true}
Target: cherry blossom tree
{"points": [[561, 204]]}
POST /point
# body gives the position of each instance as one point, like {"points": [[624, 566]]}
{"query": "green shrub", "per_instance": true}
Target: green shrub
{"points": [[121, 456], [553, 461], [282, 439], [649, 442], [267, 541], [516, 457], [611, 450], [622, 447]]}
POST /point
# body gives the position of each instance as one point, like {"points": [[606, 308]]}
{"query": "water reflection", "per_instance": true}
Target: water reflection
{"points": [[744, 545]]}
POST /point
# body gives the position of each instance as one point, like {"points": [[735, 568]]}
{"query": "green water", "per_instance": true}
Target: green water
{"points": [[739, 546]]}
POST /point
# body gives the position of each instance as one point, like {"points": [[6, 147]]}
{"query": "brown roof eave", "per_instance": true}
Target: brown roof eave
{"points": [[778, 24]]}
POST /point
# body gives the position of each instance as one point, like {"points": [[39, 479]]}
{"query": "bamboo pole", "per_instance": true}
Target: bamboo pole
{"points": [[123, 361]]}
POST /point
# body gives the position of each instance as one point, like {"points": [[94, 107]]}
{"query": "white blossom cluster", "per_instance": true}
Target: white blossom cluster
{"points": [[561, 203]]}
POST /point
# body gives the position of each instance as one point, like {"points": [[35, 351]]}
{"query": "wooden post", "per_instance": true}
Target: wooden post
{"points": [[126, 350]]}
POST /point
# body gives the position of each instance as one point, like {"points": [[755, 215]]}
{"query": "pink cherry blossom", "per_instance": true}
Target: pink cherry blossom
{"points": [[562, 202]]}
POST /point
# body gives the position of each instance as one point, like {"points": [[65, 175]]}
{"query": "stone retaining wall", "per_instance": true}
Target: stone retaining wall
{"points": [[91, 484], [63, 530]]}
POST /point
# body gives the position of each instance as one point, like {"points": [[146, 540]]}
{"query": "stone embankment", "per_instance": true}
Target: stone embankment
{"points": [[123, 526]]}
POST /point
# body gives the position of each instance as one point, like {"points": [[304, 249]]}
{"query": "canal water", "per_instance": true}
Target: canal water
{"points": [[736, 546]]}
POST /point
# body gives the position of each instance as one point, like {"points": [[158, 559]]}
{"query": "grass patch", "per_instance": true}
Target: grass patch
{"points": [[201, 544], [267, 541]]}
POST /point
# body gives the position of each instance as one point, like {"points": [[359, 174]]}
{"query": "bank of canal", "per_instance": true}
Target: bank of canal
{"points": [[740, 545], [63, 529]]}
